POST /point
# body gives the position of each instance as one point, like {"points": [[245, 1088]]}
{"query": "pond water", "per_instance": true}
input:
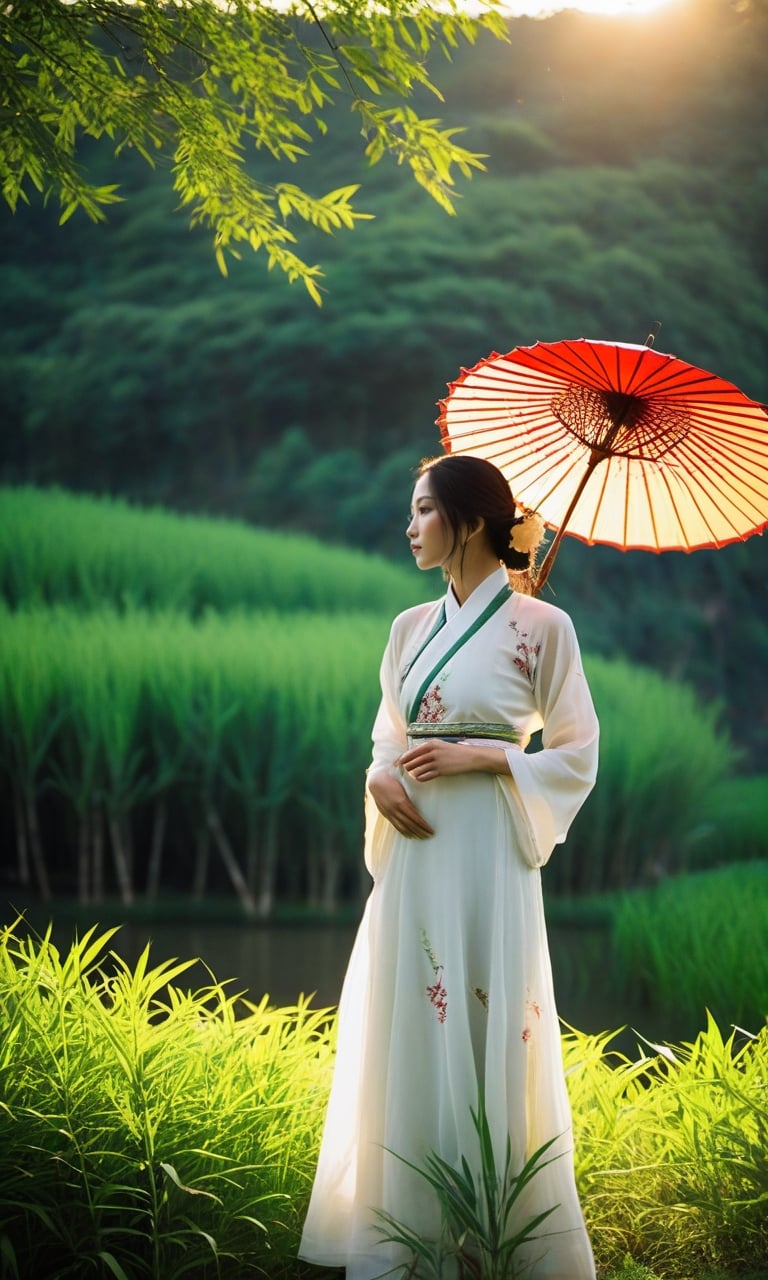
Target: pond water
{"points": [[285, 961]]}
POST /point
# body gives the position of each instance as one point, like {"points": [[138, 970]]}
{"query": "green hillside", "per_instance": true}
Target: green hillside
{"points": [[87, 552]]}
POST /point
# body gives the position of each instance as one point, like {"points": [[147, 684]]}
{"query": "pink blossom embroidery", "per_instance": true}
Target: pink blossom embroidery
{"points": [[431, 708], [437, 994], [525, 654], [531, 1007]]}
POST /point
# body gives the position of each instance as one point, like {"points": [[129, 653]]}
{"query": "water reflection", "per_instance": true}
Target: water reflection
{"points": [[281, 962], [286, 961]]}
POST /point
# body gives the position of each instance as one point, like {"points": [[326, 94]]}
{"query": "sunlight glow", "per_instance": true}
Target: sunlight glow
{"points": [[510, 8], [545, 8], [608, 8]]}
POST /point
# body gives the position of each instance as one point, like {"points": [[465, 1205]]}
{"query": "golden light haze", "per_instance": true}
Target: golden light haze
{"points": [[609, 8]]}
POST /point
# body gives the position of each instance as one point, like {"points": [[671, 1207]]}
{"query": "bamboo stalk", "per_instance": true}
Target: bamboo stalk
{"points": [[265, 902], [252, 855], [230, 861], [122, 870]]}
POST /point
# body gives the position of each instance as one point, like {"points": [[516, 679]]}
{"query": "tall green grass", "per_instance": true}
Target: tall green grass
{"points": [[56, 547], [151, 1131], [734, 822], [147, 1130], [662, 753], [697, 941], [671, 1151]]}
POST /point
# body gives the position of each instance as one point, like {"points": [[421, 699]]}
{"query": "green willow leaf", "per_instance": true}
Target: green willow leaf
{"points": [[202, 86]]}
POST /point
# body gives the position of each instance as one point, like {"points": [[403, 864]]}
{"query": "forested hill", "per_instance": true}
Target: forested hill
{"points": [[626, 183]]}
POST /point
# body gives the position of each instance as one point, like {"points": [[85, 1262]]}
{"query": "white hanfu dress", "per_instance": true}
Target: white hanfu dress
{"points": [[448, 993]]}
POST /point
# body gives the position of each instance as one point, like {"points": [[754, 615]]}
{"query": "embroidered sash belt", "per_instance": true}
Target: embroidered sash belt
{"points": [[453, 731]]}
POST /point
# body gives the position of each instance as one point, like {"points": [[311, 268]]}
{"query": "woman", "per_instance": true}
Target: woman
{"points": [[448, 996]]}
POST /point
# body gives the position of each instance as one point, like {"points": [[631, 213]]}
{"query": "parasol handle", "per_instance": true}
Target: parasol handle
{"points": [[549, 559]]}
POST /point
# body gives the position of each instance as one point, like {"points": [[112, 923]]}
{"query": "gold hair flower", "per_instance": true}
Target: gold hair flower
{"points": [[526, 533]]}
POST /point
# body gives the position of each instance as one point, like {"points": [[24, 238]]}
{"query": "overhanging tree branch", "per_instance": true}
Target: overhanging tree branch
{"points": [[200, 81]]}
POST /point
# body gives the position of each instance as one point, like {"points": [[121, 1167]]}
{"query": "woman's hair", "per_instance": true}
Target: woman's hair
{"points": [[467, 488]]}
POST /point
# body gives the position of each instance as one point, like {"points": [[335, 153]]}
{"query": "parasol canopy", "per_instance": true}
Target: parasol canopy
{"points": [[616, 443]]}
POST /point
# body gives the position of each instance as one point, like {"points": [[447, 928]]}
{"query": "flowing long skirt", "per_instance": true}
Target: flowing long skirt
{"points": [[448, 995]]}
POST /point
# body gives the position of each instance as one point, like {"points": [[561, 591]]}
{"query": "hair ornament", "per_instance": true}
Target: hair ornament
{"points": [[526, 533]]}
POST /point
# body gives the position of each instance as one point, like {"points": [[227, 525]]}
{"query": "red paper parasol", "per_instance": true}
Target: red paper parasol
{"points": [[616, 443]]}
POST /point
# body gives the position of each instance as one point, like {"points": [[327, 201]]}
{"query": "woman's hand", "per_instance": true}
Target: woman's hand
{"points": [[394, 804], [434, 758]]}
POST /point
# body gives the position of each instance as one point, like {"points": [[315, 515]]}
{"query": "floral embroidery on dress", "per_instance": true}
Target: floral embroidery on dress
{"points": [[531, 1007], [526, 654], [482, 996], [436, 994], [431, 708]]}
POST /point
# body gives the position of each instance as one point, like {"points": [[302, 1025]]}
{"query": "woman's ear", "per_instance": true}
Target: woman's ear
{"points": [[471, 529]]}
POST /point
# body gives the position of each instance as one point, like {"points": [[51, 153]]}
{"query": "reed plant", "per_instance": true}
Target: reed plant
{"points": [[144, 730], [477, 1209], [58, 547], [697, 941], [148, 1130], [30, 711]]}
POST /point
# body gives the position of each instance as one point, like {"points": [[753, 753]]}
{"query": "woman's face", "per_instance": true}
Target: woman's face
{"points": [[431, 538]]}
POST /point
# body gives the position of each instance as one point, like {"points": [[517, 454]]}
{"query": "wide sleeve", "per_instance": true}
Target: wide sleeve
{"points": [[390, 740], [389, 731], [548, 787]]}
